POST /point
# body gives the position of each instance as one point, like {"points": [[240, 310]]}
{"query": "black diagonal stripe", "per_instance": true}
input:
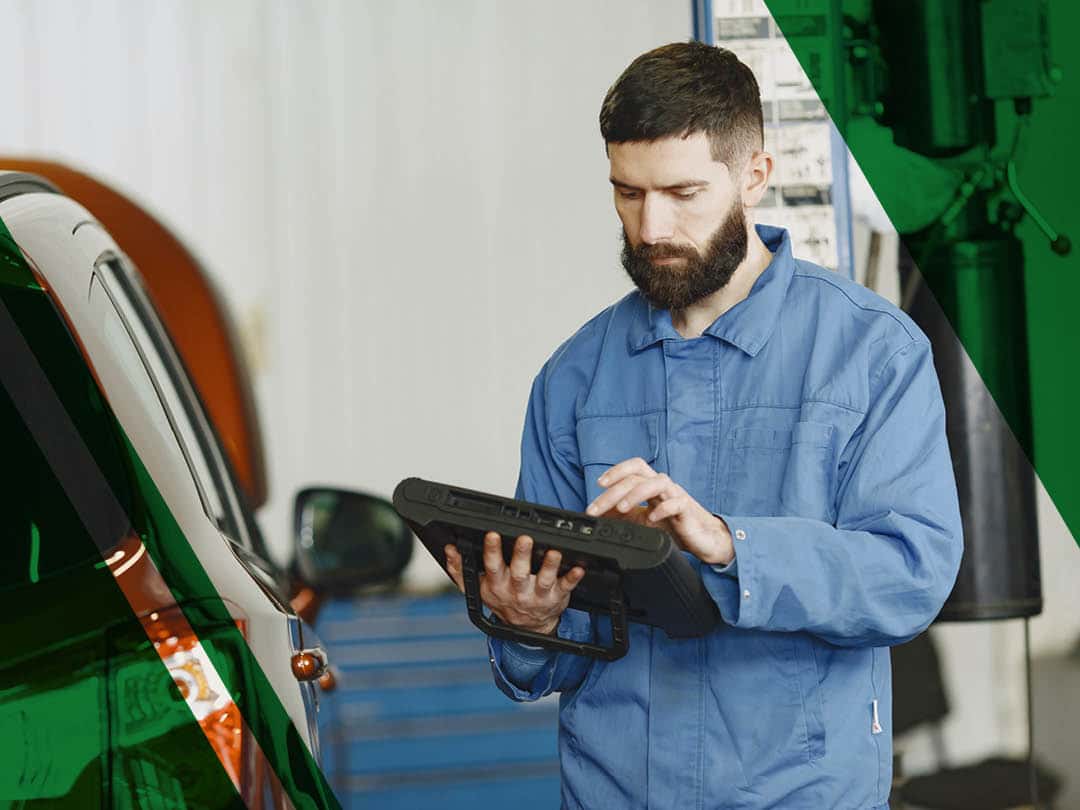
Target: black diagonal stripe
{"points": [[56, 435]]}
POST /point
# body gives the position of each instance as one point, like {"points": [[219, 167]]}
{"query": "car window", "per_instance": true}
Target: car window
{"points": [[42, 535], [140, 343]]}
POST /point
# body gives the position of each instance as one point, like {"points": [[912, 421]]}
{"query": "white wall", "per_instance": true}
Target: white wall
{"points": [[406, 205]]}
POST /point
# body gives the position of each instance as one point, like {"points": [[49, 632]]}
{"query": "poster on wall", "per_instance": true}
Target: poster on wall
{"points": [[808, 193]]}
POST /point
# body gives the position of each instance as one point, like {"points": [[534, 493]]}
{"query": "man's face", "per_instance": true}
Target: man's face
{"points": [[684, 231]]}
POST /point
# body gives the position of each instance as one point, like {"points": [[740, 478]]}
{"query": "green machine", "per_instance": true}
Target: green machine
{"points": [[941, 93], [955, 84]]}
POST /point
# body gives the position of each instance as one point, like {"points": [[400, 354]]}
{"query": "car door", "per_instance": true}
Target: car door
{"points": [[273, 633]]}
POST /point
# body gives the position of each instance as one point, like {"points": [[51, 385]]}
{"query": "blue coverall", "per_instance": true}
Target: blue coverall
{"points": [[809, 417]]}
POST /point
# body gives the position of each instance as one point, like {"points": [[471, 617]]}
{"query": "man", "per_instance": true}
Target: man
{"points": [[785, 426]]}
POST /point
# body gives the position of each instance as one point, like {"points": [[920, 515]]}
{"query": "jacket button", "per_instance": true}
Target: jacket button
{"points": [[746, 594], [740, 534]]}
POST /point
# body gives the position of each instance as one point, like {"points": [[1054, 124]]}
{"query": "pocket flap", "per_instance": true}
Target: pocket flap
{"points": [[611, 439], [813, 433], [761, 437]]}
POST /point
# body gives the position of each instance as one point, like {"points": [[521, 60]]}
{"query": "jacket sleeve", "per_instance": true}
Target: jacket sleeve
{"points": [[550, 476], [882, 573]]}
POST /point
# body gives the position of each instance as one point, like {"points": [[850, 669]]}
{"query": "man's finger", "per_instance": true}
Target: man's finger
{"points": [[668, 508], [572, 578], [453, 567], [549, 571], [632, 466], [647, 490], [521, 562], [493, 558], [607, 500]]}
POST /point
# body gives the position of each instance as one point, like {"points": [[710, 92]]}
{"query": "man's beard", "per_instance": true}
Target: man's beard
{"points": [[677, 286]]}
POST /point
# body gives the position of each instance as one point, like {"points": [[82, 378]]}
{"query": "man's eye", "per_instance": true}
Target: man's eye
{"points": [[628, 195], [686, 195]]}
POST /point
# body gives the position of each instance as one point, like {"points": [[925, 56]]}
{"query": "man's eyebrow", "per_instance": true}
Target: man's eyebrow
{"points": [[694, 183]]}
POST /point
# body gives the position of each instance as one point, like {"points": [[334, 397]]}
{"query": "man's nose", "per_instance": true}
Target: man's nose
{"points": [[657, 224]]}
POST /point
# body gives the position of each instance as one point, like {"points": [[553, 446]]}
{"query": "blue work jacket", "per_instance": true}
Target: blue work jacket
{"points": [[809, 417]]}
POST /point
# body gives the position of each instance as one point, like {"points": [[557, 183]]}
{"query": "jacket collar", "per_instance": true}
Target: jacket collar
{"points": [[747, 325]]}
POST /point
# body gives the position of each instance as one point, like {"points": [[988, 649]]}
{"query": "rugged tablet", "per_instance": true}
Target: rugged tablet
{"points": [[632, 572]]}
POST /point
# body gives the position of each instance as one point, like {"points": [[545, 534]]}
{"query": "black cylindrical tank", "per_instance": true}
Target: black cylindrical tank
{"points": [[934, 101], [974, 289]]}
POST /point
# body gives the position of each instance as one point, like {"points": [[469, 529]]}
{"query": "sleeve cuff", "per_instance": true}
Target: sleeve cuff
{"points": [[525, 672], [521, 673], [731, 569], [732, 586]]}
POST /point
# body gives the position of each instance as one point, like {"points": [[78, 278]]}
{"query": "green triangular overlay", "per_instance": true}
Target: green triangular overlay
{"points": [[90, 714], [902, 82]]}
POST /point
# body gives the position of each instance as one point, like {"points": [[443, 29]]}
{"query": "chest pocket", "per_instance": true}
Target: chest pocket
{"points": [[781, 472], [604, 441]]}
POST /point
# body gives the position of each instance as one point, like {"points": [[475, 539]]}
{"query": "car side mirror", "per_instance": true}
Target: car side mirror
{"points": [[345, 540]]}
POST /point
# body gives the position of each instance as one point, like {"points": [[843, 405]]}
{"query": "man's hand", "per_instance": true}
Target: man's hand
{"points": [[690, 524], [516, 595]]}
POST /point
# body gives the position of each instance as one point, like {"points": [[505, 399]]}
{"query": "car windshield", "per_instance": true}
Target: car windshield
{"points": [[43, 535]]}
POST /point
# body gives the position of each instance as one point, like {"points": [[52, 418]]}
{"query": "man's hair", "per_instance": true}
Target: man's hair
{"points": [[682, 89]]}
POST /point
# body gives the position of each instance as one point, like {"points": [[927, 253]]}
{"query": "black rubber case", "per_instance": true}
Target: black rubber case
{"points": [[632, 572]]}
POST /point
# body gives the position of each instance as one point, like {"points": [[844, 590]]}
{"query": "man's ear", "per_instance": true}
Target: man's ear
{"points": [[755, 178]]}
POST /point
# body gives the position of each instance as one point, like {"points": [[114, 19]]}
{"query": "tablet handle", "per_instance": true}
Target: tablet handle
{"points": [[620, 639]]}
